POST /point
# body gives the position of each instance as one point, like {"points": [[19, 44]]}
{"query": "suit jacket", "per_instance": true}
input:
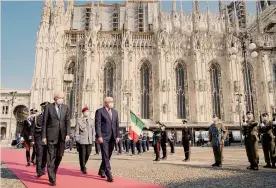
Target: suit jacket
{"points": [[105, 127], [85, 131], [164, 137], [55, 129]]}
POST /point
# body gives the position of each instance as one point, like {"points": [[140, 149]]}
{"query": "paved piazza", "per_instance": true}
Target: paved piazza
{"points": [[175, 173]]}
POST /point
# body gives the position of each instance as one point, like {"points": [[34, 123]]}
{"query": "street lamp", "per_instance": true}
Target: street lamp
{"points": [[13, 93], [242, 38]]}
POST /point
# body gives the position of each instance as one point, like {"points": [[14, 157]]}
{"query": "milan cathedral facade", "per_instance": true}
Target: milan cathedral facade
{"points": [[164, 66]]}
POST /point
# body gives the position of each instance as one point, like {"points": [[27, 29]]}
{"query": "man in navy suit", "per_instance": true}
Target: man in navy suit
{"points": [[107, 132]]}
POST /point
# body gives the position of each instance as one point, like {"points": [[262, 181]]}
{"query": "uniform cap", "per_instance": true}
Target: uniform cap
{"points": [[85, 109], [44, 104], [33, 110]]}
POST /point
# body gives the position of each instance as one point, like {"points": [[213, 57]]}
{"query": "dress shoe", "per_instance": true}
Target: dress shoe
{"points": [[249, 167], [186, 160], [164, 158], [28, 164], [215, 164], [101, 174], [267, 166], [219, 165], [84, 171], [39, 175], [156, 160], [255, 168], [52, 183], [110, 178], [33, 162]]}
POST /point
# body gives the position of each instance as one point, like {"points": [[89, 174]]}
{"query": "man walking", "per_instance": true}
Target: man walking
{"points": [[186, 140], [107, 132], [41, 150], [55, 130]]}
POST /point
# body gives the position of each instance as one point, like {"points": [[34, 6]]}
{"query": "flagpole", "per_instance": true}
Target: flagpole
{"points": [[128, 95]]}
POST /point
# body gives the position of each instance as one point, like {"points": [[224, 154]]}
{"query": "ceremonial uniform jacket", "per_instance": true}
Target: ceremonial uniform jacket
{"points": [[250, 130], [85, 131], [217, 133]]}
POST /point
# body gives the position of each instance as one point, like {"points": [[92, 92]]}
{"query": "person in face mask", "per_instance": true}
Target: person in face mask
{"points": [[164, 141], [217, 135], [85, 135], [268, 142], [107, 132], [55, 131], [251, 139], [156, 143]]}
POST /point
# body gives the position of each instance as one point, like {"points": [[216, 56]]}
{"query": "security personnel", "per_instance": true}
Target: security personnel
{"points": [[147, 143], [41, 151], [217, 135], [268, 142], [97, 147], [132, 145], [164, 141], [127, 142], [144, 142], [186, 139], [251, 139]]}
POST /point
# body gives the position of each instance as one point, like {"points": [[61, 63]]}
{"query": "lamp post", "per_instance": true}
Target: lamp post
{"points": [[13, 93], [243, 38]]}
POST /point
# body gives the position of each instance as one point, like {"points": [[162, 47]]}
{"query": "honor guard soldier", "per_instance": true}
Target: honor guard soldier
{"points": [[139, 144], [97, 147], [127, 142], [147, 143], [120, 143], [186, 139], [217, 135], [41, 151], [251, 139], [268, 142], [171, 141], [164, 141], [156, 143], [26, 135], [144, 142]]}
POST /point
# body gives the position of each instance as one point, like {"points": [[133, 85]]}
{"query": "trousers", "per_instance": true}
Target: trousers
{"points": [[84, 153], [41, 154]]}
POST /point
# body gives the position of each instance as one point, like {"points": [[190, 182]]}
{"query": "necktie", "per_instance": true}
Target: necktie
{"points": [[59, 111], [110, 114]]}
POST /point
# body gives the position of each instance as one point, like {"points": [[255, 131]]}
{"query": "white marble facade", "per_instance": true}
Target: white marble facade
{"points": [[93, 50]]}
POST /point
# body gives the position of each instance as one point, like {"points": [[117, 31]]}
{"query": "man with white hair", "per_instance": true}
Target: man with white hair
{"points": [[107, 132], [55, 130]]}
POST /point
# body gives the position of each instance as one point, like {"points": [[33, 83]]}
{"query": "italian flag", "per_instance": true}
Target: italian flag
{"points": [[136, 127]]}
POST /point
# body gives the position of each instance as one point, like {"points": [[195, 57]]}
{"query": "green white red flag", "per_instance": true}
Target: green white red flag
{"points": [[136, 127]]}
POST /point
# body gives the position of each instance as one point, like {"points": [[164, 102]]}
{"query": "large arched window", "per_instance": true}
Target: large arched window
{"points": [[180, 74], [109, 72], [69, 88], [274, 73], [145, 90], [247, 79], [215, 91]]}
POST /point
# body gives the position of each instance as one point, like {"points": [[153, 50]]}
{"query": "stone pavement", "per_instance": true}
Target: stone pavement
{"points": [[198, 172]]}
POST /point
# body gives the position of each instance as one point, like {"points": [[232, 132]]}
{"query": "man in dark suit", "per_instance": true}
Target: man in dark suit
{"points": [[107, 132], [55, 130]]}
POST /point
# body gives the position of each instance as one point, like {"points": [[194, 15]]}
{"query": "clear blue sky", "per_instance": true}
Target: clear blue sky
{"points": [[19, 24]]}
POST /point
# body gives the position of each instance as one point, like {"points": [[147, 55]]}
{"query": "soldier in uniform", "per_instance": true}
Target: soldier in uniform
{"points": [[268, 142], [186, 139], [26, 135], [147, 142], [132, 145], [41, 150], [251, 139], [120, 143], [274, 131], [171, 141], [127, 142], [164, 141], [217, 135], [139, 144], [97, 147], [144, 142], [156, 141]]}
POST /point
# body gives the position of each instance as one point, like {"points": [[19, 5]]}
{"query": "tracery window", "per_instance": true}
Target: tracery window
{"points": [[180, 90], [274, 72], [215, 91], [109, 72], [247, 78], [145, 90]]}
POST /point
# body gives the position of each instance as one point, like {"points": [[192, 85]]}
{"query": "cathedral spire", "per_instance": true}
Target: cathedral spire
{"points": [[265, 4], [126, 17], [195, 14], [92, 16], [70, 6], [227, 20], [159, 15], [258, 9], [46, 13], [236, 20], [181, 16], [173, 7], [220, 8], [208, 16]]}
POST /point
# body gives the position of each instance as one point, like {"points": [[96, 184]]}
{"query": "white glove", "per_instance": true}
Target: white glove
{"points": [[190, 142], [244, 124], [30, 137], [21, 139], [274, 122], [262, 125]]}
